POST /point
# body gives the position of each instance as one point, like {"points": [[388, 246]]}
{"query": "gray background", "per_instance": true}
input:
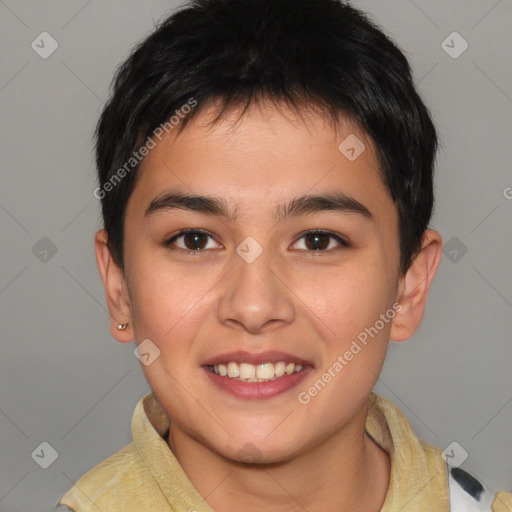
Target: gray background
{"points": [[65, 381]]}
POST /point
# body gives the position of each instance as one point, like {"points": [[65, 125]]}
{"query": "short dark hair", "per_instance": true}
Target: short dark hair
{"points": [[301, 53]]}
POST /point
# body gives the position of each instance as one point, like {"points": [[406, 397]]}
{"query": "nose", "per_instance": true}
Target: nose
{"points": [[254, 296]]}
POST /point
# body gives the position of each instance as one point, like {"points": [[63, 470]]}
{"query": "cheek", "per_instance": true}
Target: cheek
{"points": [[346, 300], [348, 307], [165, 299]]}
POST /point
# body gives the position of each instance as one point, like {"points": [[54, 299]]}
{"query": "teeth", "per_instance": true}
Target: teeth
{"points": [[279, 369], [256, 373], [233, 370], [247, 371], [265, 371]]}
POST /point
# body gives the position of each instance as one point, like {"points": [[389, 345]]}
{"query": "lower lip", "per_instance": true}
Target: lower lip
{"points": [[257, 390]]}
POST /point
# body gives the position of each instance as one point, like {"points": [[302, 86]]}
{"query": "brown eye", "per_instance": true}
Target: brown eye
{"points": [[321, 241], [195, 241], [191, 240], [317, 241]]}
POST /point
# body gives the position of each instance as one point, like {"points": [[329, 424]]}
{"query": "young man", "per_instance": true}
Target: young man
{"points": [[265, 171]]}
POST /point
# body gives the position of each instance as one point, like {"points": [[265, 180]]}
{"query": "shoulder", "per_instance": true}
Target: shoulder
{"points": [[114, 480], [468, 494]]}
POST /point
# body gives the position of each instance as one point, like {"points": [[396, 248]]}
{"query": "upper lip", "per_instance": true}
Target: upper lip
{"points": [[271, 356]]}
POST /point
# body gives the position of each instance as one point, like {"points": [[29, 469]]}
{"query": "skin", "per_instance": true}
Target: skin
{"points": [[308, 303]]}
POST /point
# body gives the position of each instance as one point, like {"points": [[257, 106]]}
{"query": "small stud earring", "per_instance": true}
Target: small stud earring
{"points": [[122, 327]]}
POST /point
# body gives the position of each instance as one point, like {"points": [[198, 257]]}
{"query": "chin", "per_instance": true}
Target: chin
{"points": [[259, 450]]}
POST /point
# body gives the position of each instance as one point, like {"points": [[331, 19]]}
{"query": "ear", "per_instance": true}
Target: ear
{"points": [[414, 286], [116, 291]]}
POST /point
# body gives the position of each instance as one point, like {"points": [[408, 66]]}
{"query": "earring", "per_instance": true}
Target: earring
{"points": [[122, 327]]}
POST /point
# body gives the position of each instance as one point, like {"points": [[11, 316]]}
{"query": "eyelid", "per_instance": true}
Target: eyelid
{"points": [[168, 241], [338, 237]]}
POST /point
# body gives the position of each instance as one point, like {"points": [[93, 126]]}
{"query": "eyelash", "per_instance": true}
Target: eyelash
{"points": [[343, 243]]}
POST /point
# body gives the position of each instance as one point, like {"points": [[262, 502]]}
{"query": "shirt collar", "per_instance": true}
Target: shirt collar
{"points": [[418, 480]]}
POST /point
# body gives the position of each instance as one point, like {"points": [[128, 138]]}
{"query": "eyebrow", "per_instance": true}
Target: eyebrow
{"points": [[216, 206]]}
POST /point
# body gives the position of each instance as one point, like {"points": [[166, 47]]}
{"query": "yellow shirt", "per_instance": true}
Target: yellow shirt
{"points": [[146, 476]]}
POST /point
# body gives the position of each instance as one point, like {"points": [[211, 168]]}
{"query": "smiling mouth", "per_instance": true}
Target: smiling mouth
{"points": [[246, 372]]}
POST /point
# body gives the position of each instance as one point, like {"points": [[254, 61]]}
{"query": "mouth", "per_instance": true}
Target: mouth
{"points": [[247, 372], [256, 376]]}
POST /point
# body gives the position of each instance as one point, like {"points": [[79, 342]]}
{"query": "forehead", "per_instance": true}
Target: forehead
{"points": [[256, 160]]}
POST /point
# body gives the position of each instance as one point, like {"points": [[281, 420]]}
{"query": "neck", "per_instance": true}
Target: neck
{"points": [[347, 471]]}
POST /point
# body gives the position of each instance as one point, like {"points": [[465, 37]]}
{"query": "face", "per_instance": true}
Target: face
{"points": [[268, 281]]}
